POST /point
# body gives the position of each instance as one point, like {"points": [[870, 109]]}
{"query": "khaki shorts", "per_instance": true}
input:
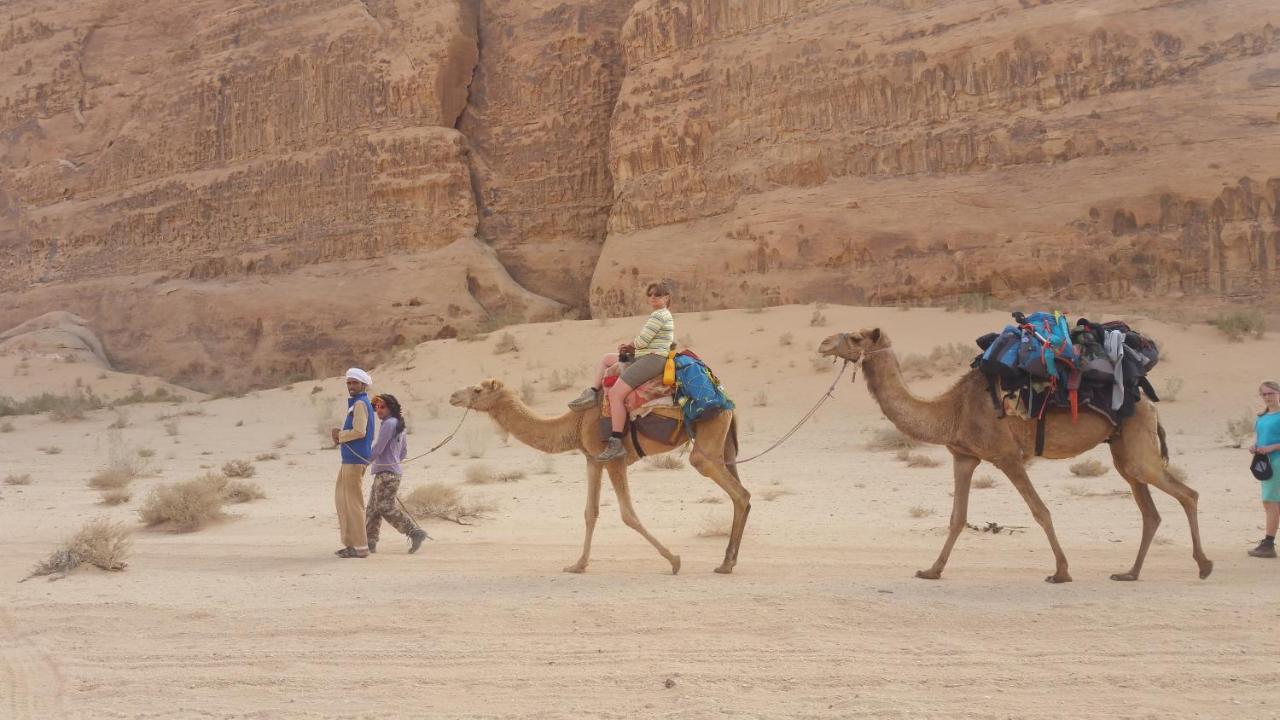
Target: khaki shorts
{"points": [[643, 369]]}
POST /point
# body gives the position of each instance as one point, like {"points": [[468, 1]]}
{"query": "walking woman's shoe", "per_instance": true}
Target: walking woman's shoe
{"points": [[350, 552], [373, 546], [342, 552], [1264, 550], [416, 536], [612, 451], [588, 399]]}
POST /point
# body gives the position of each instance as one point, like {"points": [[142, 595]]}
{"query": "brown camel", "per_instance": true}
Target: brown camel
{"points": [[964, 420], [714, 450]]}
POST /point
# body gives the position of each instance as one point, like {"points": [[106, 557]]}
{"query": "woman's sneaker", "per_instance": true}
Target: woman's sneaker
{"points": [[589, 398], [612, 451], [1264, 550]]}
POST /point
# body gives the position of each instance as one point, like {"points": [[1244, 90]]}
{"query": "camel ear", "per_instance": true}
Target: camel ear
{"points": [[491, 384], [874, 335]]}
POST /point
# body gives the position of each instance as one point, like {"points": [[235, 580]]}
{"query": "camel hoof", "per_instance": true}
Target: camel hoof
{"points": [[929, 574], [1125, 577], [1056, 579], [725, 569], [675, 565], [577, 569], [1206, 568]]}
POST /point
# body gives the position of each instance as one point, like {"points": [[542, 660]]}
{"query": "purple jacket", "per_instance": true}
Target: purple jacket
{"points": [[388, 449]]}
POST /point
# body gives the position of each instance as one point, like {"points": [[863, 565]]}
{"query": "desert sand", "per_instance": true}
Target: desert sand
{"points": [[253, 617]]}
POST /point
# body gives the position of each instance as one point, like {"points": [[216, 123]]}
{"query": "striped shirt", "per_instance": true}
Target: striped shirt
{"points": [[658, 334]]}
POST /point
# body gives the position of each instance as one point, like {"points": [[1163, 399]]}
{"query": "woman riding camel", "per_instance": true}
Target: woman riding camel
{"points": [[649, 349]]}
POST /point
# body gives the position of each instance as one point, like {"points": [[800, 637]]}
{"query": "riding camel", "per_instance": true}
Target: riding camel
{"points": [[965, 421], [715, 448]]}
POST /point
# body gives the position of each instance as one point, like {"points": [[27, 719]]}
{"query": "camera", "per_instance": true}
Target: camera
{"points": [[627, 355]]}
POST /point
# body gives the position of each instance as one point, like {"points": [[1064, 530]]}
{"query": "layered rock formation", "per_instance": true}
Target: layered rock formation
{"points": [[233, 192]]}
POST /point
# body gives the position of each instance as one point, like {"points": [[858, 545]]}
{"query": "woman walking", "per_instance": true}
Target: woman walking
{"points": [[389, 449], [1267, 442], [650, 350]]}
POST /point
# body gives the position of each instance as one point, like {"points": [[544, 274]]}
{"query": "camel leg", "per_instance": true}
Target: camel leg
{"points": [[1150, 521], [963, 466], [594, 470], [1018, 476], [618, 476], [727, 479], [1137, 456]]}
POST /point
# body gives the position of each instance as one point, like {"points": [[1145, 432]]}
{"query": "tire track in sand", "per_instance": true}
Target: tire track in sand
{"points": [[30, 683]]}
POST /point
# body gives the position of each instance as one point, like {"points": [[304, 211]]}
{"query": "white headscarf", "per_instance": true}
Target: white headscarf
{"points": [[359, 375]]}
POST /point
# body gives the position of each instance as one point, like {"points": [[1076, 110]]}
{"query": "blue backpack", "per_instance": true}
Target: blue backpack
{"points": [[698, 391]]}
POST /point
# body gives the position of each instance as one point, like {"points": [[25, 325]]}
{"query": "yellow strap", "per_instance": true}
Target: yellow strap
{"points": [[669, 369]]}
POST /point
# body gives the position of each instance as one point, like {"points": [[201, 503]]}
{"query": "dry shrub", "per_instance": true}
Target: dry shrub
{"points": [[171, 427], [773, 494], [1239, 324], [917, 460], [124, 465], [233, 491], [482, 474], [1240, 430], [506, 344], [941, 359], [817, 319], [919, 511], [477, 441], [116, 497], [761, 399], [6, 427], [711, 499], [891, 438], [23, 479], [1177, 473], [50, 449], [1172, 388], [665, 461], [1078, 490], [715, 526], [283, 442], [984, 482], [101, 542], [821, 364], [146, 453], [786, 339], [238, 469], [61, 408], [121, 422], [264, 457], [184, 506], [1088, 468], [546, 465], [528, 393], [442, 502], [560, 380]]}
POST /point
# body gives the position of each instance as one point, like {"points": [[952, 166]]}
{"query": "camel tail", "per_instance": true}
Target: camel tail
{"points": [[1164, 443]]}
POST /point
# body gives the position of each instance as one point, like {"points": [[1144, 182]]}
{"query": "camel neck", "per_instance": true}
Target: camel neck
{"points": [[923, 420], [553, 435]]}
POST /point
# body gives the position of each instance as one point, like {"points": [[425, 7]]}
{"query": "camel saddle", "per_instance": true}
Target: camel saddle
{"points": [[659, 418]]}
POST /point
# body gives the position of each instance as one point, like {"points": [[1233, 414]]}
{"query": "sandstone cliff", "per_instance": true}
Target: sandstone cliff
{"points": [[230, 192]]}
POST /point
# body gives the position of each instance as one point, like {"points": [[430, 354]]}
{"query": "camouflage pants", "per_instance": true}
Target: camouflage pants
{"points": [[382, 506]]}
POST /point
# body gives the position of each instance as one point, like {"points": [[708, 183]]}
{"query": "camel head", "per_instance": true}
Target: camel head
{"points": [[480, 397], [852, 346]]}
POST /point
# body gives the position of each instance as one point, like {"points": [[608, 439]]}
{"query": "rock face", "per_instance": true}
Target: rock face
{"points": [[231, 192]]}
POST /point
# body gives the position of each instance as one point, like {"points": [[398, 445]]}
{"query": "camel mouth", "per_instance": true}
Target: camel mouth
{"points": [[459, 398]]}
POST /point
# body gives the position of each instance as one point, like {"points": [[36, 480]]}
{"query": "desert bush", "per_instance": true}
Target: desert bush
{"points": [[761, 399], [665, 461], [283, 442], [477, 441], [146, 453], [772, 494], [137, 395], [560, 380], [121, 421], [984, 482], [61, 408], [482, 474], [506, 344], [786, 339], [818, 319], [6, 427], [50, 449], [715, 525], [941, 359], [755, 302], [920, 511], [1239, 324], [442, 502], [1088, 468], [233, 491], [916, 460], [238, 469], [1077, 489], [1172, 388], [820, 364], [124, 465], [528, 392], [1240, 430], [118, 496], [101, 542], [183, 506], [711, 499], [891, 438], [263, 457], [171, 427], [1177, 473], [15, 479]]}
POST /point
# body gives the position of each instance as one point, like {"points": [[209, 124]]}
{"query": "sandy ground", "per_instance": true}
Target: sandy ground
{"points": [[254, 617]]}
